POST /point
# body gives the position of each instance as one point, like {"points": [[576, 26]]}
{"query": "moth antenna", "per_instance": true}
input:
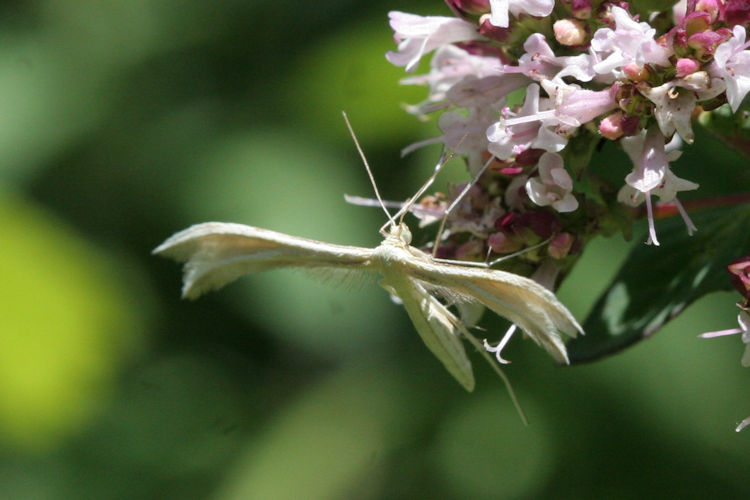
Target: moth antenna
{"points": [[391, 220], [445, 157], [520, 252], [455, 203]]}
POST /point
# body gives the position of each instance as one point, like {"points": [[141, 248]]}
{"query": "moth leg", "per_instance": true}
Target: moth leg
{"points": [[498, 349]]}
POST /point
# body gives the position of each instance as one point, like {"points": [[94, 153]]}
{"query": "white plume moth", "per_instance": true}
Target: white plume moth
{"points": [[216, 253]]}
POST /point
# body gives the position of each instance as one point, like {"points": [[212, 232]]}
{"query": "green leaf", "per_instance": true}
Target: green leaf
{"points": [[656, 283]]}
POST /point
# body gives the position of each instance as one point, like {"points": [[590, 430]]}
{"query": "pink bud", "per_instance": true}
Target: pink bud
{"points": [[581, 8], [506, 221], [469, 7], [736, 12], [611, 126], [502, 243], [635, 73], [489, 30], [560, 245], [706, 42], [686, 66], [697, 22], [529, 156], [739, 270], [712, 7], [543, 222]]}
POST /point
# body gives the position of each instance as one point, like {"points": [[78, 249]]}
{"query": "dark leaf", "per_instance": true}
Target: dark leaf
{"points": [[656, 283]]}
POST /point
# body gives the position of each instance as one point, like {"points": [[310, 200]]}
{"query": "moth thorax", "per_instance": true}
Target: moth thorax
{"points": [[402, 232]]}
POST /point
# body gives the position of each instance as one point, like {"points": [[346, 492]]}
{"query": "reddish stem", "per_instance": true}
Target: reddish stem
{"points": [[664, 210]]}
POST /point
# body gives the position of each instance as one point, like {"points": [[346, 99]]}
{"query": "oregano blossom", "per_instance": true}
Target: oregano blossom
{"points": [[529, 94]]}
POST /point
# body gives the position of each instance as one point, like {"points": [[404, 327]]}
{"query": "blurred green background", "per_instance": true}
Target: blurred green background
{"points": [[122, 122]]}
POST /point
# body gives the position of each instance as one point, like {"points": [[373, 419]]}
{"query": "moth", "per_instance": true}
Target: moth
{"points": [[216, 253]]}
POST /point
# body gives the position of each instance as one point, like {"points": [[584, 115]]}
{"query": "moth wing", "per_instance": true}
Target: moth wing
{"points": [[521, 300], [436, 325], [216, 253]]}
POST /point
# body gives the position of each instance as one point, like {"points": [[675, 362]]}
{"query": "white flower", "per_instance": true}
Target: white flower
{"points": [[553, 186], [418, 35], [501, 8], [651, 175], [732, 64], [630, 42], [532, 127], [651, 172], [466, 134], [743, 318], [674, 107], [485, 92], [540, 62], [450, 65]]}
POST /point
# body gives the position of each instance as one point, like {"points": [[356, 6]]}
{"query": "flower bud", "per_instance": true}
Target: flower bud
{"points": [[471, 250], [739, 270], [635, 73], [466, 8], [704, 43], [486, 28], [736, 12], [611, 126], [686, 66], [712, 7], [697, 22], [529, 156], [503, 242], [581, 8], [560, 245], [542, 222], [569, 32]]}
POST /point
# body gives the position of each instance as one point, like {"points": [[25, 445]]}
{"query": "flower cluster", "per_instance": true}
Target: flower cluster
{"points": [[527, 91], [739, 272]]}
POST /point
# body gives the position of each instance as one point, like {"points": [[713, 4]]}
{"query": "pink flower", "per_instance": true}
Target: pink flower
{"points": [[516, 133], [547, 123]]}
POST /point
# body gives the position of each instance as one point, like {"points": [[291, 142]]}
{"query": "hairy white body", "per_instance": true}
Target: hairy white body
{"points": [[216, 253]]}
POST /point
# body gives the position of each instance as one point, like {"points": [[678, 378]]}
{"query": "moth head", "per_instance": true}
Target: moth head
{"points": [[401, 232]]}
